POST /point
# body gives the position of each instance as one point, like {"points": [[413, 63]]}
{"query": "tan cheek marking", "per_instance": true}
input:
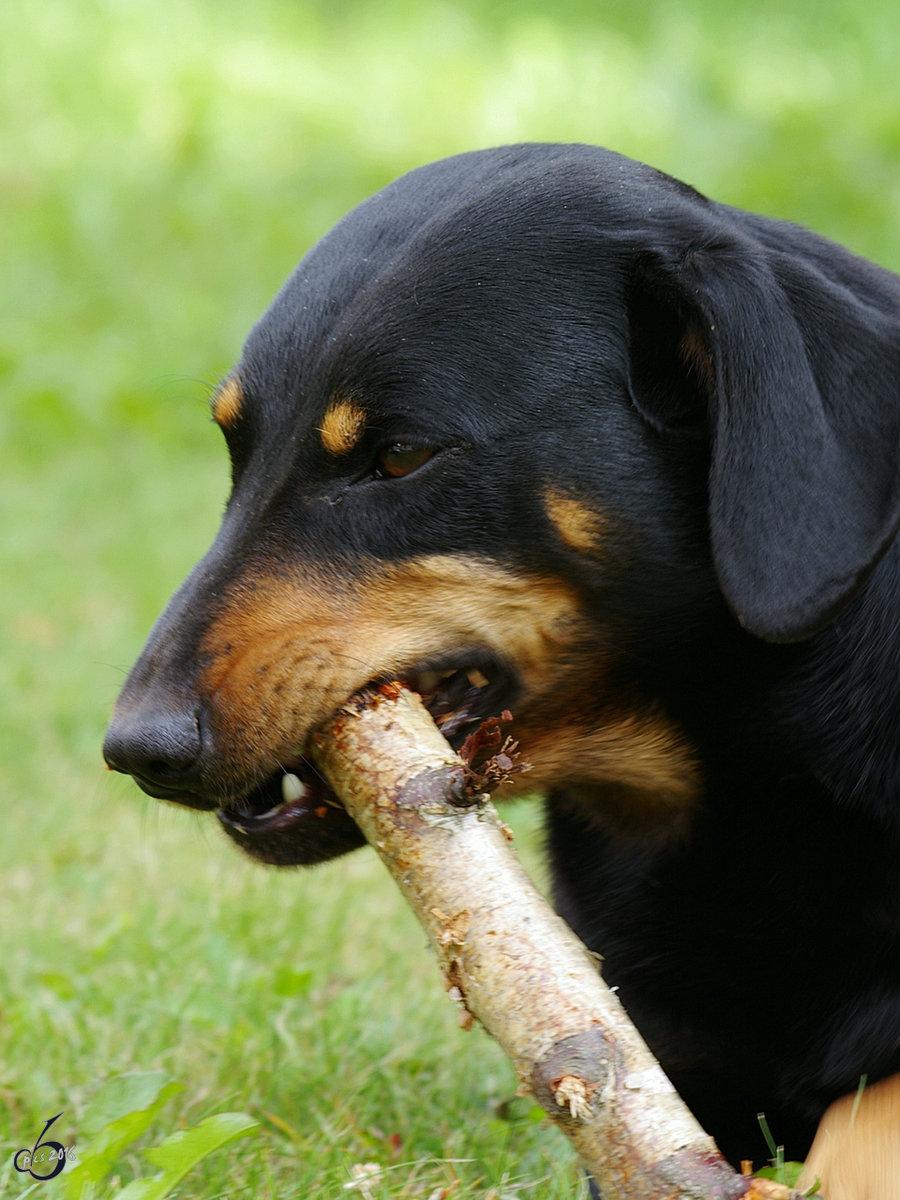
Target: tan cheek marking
{"points": [[342, 426], [227, 402], [579, 526], [630, 770], [452, 601], [856, 1152], [285, 654]]}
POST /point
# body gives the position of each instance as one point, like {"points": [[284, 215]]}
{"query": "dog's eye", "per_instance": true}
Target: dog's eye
{"points": [[401, 459]]}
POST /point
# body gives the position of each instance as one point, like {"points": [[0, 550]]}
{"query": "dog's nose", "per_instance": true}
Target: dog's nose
{"points": [[161, 749]]}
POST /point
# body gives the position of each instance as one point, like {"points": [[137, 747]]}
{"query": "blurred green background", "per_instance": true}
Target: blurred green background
{"points": [[163, 166]]}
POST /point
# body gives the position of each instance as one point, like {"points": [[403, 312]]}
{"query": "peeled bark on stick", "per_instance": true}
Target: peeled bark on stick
{"points": [[511, 962]]}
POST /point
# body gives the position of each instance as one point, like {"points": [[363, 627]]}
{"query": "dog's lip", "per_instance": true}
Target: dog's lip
{"points": [[184, 797], [292, 794], [305, 826], [460, 691]]}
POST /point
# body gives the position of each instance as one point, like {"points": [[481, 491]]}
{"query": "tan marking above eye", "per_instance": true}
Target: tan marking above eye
{"points": [[228, 402], [579, 526], [342, 426]]}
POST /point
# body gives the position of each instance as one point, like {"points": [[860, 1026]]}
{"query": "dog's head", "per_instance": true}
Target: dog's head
{"points": [[521, 430]]}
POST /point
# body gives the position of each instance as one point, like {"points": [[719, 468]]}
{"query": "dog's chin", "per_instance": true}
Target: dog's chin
{"points": [[294, 818]]}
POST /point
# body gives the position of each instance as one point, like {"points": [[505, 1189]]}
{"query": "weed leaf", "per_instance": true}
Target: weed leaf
{"points": [[137, 1098], [180, 1152]]}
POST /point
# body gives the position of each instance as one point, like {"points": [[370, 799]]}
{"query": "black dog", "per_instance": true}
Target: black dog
{"points": [[542, 428]]}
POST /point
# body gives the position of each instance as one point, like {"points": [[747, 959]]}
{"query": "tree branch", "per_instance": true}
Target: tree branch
{"points": [[511, 962]]}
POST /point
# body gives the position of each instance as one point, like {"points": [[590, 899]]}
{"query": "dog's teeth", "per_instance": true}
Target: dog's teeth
{"points": [[430, 681], [292, 788], [476, 678], [442, 718]]}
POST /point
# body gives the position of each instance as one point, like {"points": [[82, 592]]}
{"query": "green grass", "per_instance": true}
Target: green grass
{"points": [[164, 166]]}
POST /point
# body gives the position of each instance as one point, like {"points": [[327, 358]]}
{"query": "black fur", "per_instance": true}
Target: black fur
{"points": [[725, 391]]}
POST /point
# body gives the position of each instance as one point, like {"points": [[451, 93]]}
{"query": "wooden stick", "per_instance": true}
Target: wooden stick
{"points": [[511, 962]]}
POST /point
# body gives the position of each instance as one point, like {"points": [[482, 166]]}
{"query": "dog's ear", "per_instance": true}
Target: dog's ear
{"points": [[792, 365]]}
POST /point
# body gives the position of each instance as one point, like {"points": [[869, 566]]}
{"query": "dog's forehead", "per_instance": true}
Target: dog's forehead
{"points": [[453, 281], [490, 212]]}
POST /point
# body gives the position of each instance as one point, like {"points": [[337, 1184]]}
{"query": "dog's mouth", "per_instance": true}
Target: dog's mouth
{"points": [[294, 818]]}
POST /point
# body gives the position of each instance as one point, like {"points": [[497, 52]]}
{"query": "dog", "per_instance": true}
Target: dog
{"points": [[540, 428]]}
